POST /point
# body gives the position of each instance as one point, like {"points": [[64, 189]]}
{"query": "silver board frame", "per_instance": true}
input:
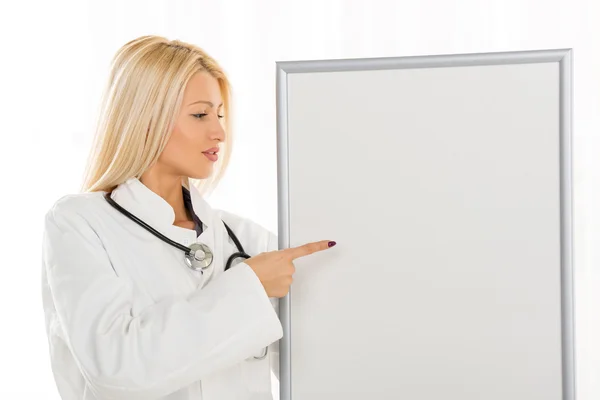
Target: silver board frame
{"points": [[564, 58]]}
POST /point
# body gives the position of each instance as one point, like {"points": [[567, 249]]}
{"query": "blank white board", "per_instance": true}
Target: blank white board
{"points": [[446, 182]]}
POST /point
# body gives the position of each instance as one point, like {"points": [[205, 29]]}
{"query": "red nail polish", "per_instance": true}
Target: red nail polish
{"points": [[331, 244]]}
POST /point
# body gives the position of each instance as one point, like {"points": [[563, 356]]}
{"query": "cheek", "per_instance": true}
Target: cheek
{"points": [[183, 149]]}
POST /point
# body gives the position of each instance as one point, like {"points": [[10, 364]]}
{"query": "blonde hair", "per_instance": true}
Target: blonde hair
{"points": [[139, 107]]}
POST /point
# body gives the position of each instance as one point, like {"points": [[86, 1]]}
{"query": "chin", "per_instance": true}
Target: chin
{"points": [[200, 174]]}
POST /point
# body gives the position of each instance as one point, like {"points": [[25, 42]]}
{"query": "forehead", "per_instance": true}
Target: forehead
{"points": [[202, 86]]}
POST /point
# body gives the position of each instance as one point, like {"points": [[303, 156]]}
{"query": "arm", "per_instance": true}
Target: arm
{"points": [[263, 241], [170, 344]]}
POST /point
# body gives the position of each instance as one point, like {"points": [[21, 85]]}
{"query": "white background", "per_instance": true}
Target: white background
{"points": [[55, 57]]}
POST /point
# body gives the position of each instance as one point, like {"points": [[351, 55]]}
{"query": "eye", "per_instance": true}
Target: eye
{"points": [[200, 116]]}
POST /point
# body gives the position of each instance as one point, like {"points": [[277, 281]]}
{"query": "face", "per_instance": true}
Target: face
{"points": [[198, 130]]}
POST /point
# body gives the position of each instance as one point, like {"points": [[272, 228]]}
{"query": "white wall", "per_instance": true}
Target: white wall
{"points": [[55, 59]]}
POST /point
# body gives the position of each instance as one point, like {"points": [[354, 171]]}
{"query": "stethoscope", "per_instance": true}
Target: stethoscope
{"points": [[198, 256]]}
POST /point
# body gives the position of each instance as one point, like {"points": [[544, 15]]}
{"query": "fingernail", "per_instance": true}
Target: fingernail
{"points": [[331, 244]]}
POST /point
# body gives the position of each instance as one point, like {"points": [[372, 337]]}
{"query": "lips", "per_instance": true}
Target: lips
{"points": [[213, 150], [211, 154]]}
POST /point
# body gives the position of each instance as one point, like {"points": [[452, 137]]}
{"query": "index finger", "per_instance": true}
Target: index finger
{"points": [[308, 248]]}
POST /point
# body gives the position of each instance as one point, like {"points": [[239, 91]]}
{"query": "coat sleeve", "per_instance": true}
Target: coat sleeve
{"points": [[171, 344], [263, 241]]}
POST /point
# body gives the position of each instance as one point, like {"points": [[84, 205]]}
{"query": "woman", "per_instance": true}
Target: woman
{"points": [[126, 316]]}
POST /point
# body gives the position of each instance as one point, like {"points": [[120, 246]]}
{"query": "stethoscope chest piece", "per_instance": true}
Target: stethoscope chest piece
{"points": [[200, 257]]}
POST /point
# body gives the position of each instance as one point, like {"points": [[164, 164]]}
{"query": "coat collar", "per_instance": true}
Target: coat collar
{"points": [[145, 204]]}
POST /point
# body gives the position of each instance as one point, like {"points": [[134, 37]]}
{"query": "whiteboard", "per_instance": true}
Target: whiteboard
{"points": [[446, 182]]}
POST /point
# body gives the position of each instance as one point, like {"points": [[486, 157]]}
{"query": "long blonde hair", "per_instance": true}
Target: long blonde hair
{"points": [[139, 107]]}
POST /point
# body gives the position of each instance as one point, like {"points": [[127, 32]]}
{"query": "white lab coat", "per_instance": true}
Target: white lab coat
{"points": [[127, 319]]}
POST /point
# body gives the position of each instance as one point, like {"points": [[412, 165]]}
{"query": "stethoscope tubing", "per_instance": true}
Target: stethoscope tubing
{"points": [[150, 229], [187, 250]]}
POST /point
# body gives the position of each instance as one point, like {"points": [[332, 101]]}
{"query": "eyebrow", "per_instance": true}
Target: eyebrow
{"points": [[205, 102]]}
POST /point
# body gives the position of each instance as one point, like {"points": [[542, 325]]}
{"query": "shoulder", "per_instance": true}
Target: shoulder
{"points": [[248, 230], [73, 208], [70, 228]]}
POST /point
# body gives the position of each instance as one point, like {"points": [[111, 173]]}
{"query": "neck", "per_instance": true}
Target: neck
{"points": [[169, 188]]}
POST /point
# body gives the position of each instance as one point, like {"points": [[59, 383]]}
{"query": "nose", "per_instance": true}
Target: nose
{"points": [[217, 132]]}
